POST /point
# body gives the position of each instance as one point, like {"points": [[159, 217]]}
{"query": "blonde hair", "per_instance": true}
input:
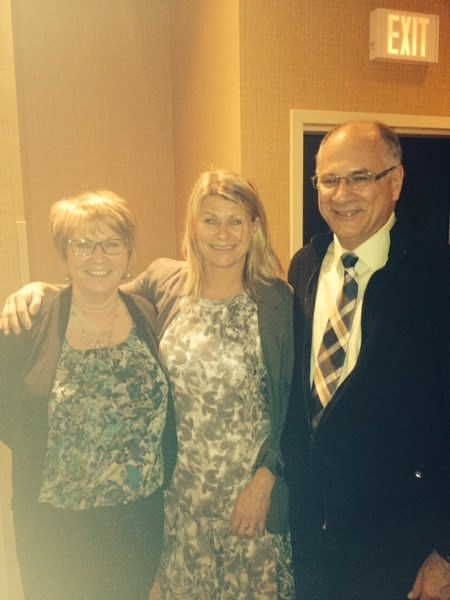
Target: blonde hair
{"points": [[92, 210], [262, 264]]}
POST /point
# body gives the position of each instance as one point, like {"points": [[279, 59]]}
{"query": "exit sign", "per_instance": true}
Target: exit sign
{"points": [[403, 36]]}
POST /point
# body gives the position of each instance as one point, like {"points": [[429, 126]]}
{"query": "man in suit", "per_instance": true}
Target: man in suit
{"points": [[367, 441]]}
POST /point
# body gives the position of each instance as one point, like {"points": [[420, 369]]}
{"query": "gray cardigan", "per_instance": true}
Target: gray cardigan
{"points": [[162, 284]]}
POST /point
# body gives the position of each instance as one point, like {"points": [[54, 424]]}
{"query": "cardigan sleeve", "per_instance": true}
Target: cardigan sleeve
{"points": [[162, 285], [162, 277], [276, 332], [9, 377], [15, 351]]}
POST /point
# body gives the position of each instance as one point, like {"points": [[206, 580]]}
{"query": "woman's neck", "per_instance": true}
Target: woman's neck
{"points": [[97, 321], [95, 304], [219, 284]]}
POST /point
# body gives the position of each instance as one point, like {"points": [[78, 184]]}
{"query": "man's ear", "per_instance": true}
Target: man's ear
{"points": [[397, 182]]}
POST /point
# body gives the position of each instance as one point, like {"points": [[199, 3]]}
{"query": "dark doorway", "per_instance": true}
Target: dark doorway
{"points": [[425, 197]]}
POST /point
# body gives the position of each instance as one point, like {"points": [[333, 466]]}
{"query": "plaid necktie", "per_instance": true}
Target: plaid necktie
{"points": [[332, 350]]}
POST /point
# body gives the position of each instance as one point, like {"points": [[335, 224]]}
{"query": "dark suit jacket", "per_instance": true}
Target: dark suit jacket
{"points": [[375, 473], [162, 283]]}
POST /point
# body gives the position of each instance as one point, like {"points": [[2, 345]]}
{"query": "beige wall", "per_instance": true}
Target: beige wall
{"points": [[206, 91], [94, 106], [11, 211], [11, 197]]}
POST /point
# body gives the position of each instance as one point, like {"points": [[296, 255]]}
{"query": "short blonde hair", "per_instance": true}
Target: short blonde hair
{"points": [[91, 210], [262, 264]]}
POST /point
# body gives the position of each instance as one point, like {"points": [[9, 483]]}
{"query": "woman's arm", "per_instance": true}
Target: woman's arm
{"points": [[20, 306], [252, 505], [23, 304], [162, 277], [270, 506]]}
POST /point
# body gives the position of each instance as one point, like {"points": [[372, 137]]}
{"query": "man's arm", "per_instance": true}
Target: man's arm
{"points": [[433, 578]]}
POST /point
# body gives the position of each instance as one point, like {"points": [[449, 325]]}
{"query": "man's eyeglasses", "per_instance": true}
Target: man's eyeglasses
{"points": [[356, 180], [84, 247]]}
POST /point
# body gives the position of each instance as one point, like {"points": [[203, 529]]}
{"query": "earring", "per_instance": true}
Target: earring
{"points": [[67, 278], [126, 276]]}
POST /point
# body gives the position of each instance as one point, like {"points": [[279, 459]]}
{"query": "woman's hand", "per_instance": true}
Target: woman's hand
{"points": [[21, 305], [252, 505]]}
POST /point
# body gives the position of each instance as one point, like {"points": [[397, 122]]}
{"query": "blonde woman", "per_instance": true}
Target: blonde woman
{"points": [[225, 327]]}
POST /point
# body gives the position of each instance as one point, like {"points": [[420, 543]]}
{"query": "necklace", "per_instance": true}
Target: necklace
{"points": [[95, 338]]}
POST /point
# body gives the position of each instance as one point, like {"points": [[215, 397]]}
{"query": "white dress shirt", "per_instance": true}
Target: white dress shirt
{"points": [[372, 255]]}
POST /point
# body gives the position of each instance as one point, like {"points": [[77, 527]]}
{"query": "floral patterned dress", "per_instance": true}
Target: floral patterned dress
{"points": [[213, 353]]}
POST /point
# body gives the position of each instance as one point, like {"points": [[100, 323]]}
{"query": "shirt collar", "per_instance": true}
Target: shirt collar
{"points": [[374, 251]]}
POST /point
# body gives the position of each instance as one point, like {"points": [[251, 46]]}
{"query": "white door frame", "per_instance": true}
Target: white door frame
{"points": [[313, 121]]}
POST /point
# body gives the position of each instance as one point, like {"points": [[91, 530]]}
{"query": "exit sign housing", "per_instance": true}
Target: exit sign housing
{"points": [[403, 36]]}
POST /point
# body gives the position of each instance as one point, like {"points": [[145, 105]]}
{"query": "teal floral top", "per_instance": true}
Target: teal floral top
{"points": [[107, 414]]}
